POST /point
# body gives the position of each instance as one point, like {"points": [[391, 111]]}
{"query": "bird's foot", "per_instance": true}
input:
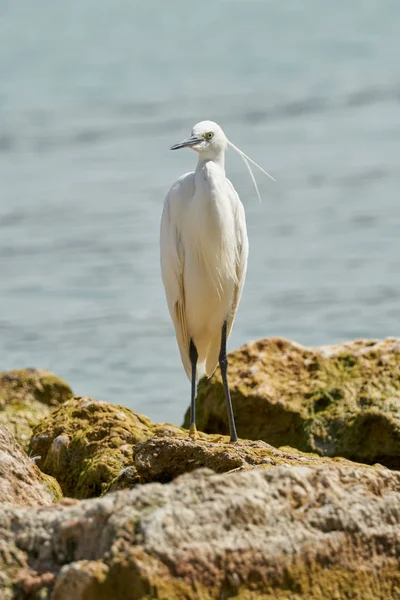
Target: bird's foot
{"points": [[193, 433]]}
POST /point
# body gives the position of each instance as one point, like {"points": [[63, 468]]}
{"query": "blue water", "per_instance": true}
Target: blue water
{"points": [[91, 97]]}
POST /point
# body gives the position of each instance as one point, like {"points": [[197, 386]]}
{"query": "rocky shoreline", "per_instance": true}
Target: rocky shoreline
{"points": [[98, 502]]}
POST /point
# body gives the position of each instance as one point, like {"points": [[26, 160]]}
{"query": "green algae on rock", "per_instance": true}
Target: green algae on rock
{"points": [[26, 397], [163, 459], [341, 400], [86, 444]]}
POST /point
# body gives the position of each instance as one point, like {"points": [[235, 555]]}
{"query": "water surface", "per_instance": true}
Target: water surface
{"points": [[91, 97]]}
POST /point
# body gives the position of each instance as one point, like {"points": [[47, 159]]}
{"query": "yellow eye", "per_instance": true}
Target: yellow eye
{"points": [[209, 135]]}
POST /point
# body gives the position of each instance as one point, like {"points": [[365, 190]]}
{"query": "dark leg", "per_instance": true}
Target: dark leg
{"points": [[193, 359], [223, 363]]}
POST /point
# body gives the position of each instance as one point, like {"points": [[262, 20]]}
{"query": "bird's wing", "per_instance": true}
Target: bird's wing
{"points": [[242, 252], [173, 259]]}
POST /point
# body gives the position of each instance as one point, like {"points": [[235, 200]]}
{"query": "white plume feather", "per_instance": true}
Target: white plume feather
{"points": [[246, 159]]}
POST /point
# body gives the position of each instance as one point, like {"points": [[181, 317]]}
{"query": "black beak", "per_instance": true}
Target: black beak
{"points": [[192, 141]]}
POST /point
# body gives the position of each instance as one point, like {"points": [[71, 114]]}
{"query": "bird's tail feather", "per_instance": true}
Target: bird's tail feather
{"points": [[213, 355]]}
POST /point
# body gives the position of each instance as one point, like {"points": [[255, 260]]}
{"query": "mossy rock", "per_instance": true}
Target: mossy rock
{"points": [[26, 397], [87, 445], [52, 486], [164, 459], [126, 479], [341, 400]]}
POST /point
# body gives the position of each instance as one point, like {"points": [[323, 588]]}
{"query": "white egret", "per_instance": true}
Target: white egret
{"points": [[204, 249]]}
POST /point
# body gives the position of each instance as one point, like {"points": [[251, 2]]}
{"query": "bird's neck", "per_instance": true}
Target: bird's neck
{"points": [[218, 159]]}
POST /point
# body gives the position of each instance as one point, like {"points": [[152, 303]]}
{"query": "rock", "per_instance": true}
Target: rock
{"points": [[164, 459], [86, 444], [21, 482], [126, 479], [26, 396], [286, 533], [338, 400]]}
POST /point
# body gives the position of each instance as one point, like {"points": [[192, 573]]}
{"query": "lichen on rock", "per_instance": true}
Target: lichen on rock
{"points": [[341, 400], [26, 397], [86, 444]]}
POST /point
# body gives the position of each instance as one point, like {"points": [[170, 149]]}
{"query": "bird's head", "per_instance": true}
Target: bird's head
{"points": [[210, 142], [207, 139]]}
